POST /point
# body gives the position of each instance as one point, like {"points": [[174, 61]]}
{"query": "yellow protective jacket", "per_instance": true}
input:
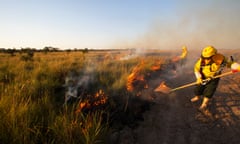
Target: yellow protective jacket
{"points": [[210, 70]]}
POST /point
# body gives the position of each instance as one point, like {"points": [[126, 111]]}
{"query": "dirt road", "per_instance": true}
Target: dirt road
{"points": [[173, 119]]}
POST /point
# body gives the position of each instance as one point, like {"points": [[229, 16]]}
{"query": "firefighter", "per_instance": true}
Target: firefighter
{"points": [[207, 66]]}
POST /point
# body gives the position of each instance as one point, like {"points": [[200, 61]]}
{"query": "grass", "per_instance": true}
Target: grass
{"points": [[31, 97], [32, 94]]}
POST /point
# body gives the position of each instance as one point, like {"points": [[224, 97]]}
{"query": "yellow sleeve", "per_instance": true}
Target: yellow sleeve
{"points": [[197, 67]]}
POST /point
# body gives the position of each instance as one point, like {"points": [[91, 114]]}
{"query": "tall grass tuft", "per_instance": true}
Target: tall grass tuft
{"points": [[31, 98], [80, 128]]}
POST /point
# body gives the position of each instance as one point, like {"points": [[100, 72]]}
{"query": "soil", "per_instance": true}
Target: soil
{"points": [[173, 119]]}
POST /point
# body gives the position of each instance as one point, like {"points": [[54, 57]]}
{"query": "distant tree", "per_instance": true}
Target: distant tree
{"points": [[85, 50], [11, 51], [28, 54], [50, 49], [68, 50], [2, 50], [46, 49]]}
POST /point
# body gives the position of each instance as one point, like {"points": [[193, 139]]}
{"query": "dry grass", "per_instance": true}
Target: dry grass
{"points": [[32, 94], [31, 97]]}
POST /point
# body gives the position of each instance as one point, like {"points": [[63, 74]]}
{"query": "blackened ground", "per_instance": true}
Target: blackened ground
{"points": [[173, 119]]}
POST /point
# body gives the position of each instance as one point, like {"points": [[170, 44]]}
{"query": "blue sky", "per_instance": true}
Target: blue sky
{"points": [[119, 23]]}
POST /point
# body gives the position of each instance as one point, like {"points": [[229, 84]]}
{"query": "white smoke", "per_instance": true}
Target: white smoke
{"points": [[73, 82]]}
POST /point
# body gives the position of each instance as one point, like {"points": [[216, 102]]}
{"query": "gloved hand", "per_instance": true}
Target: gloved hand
{"points": [[205, 81], [235, 67], [199, 81]]}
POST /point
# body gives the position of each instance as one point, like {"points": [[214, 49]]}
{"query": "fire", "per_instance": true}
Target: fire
{"points": [[182, 56], [84, 104], [135, 77], [176, 59], [100, 98], [157, 65], [137, 80]]}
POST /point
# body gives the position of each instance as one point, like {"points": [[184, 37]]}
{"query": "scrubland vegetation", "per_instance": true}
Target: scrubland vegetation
{"points": [[32, 96]]}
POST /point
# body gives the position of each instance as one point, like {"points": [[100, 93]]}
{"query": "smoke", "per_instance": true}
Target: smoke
{"points": [[75, 80], [195, 25]]}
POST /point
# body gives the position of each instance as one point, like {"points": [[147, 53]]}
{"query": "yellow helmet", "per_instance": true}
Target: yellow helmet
{"points": [[208, 52]]}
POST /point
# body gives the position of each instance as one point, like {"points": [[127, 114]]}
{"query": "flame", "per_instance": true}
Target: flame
{"points": [[176, 59], [157, 65], [136, 76], [182, 56], [100, 98]]}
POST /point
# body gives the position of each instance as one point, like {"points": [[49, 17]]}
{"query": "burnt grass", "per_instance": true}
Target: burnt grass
{"points": [[131, 106]]}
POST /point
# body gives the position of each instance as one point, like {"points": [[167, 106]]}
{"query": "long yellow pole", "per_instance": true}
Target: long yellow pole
{"points": [[194, 83]]}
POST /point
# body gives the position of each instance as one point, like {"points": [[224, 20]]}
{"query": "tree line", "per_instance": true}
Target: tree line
{"points": [[46, 49]]}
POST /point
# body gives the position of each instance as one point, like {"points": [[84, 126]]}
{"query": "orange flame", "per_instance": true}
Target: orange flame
{"points": [[157, 65], [176, 59], [96, 100], [135, 76]]}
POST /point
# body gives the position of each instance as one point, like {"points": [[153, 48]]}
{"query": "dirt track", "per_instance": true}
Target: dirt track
{"points": [[173, 119]]}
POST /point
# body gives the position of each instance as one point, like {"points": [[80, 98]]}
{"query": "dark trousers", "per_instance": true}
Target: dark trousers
{"points": [[208, 89]]}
